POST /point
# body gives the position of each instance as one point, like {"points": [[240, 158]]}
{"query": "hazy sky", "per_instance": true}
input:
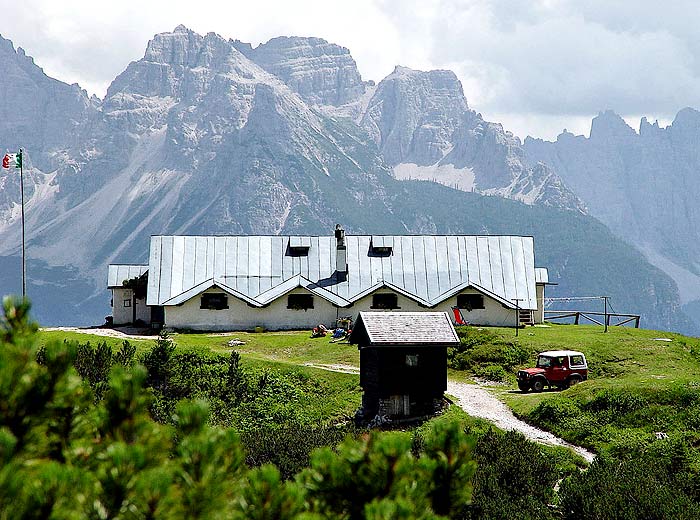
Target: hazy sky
{"points": [[535, 66]]}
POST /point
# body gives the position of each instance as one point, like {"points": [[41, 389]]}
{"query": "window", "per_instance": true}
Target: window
{"points": [[127, 303], [299, 246], [380, 251], [381, 246], [577, 361], [214, 301], [470, 301], [385, 301], [300, 302], [544, 362], [412, 360]]}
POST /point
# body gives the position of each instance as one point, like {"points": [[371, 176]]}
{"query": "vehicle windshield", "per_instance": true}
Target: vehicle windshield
{"points": [[544, 362]]}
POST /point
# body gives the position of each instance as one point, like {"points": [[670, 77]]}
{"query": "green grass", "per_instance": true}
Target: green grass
{"points": [[328, 396], [60, 335], [637, 386], [293, 347]]}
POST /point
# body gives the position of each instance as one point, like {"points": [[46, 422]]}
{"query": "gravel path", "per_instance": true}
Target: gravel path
{"points": [[479, 402], [343, 369], [124, 333]]}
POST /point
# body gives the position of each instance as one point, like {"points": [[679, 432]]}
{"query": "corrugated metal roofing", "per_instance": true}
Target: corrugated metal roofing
{"points": [[427, 268], [117, 273], [541, 275], [406, 328]]}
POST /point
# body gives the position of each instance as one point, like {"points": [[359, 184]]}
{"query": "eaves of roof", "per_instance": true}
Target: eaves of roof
{"points": [[207, 284], [393, 287], [296, 282], [459, 288]]}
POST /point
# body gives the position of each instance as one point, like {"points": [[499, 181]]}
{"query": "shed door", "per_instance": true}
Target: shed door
{"points": [[400, 405]]}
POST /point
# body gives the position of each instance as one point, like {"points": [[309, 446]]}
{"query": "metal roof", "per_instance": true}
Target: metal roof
{"points": [[541, 275], [426, 268], [117, 273], [405, 328]]}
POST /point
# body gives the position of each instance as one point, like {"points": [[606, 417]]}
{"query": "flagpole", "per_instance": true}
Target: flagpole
{"points": [[21, 190]]}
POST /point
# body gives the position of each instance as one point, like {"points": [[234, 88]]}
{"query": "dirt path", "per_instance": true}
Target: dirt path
{"points": [[124, 333], [479, 402], [343, 369]]}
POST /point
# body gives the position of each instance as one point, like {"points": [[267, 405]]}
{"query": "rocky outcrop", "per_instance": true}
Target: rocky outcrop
{"points": [[413, 115], [424, 128], [643, 185], [322, 73]]}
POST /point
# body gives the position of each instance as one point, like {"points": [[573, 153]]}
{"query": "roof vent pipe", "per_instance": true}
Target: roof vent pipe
{"points": [[341, 254]]}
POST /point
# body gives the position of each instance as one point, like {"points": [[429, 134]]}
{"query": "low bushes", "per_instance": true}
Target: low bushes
{"points": [[486, 354], [644, 487], [64, 454]]}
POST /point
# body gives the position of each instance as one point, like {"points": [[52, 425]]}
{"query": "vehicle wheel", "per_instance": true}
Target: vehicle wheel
{"points": [[538, 385], [524, 387], [573, 380]]}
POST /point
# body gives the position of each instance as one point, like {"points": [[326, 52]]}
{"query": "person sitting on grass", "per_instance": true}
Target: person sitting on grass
{"points": [[320, 331]]}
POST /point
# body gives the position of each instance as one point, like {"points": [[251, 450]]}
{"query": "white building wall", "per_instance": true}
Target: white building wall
{"points": [[241, 316], [493, 313], [123, 315], [276, 316], [539, 313]]}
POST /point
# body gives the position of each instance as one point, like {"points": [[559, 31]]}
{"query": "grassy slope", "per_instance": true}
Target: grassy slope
{"points": [[638, 386], [281, 353]]}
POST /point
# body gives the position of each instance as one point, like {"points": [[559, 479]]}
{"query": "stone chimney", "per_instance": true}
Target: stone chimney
{"points": [[341, 254]]}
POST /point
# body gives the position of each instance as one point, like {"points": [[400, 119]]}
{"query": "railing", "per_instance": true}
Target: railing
{"points": [[622, 319]]}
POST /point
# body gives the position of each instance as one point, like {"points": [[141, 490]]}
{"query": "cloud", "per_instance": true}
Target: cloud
{"points": [[557, 59], [541, 64]]}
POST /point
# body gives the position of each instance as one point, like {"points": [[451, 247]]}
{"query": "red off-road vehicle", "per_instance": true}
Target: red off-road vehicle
{"points": [[559, 368]]}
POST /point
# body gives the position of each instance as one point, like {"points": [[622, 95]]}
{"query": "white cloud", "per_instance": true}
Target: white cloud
{"points": [[535, 66]]}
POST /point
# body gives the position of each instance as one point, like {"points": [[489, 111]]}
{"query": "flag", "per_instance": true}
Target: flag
{"points": [[12, 160]]}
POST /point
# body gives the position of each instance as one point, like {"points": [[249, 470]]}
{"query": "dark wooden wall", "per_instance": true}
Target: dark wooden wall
{"points": [[384, 372]]}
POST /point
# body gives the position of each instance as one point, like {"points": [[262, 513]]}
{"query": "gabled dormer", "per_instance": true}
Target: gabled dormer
{"points": [[381, 246], [299, 246]]}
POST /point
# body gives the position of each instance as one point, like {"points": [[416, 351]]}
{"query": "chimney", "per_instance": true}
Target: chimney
{"points": [[341, 254]]}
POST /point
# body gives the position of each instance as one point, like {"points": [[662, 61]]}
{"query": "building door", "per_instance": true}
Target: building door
{"points": [[157, 316]]}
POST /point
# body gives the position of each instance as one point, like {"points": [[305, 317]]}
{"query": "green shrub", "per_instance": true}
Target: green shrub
{"points": [[617, 400], [614, 489], [514, 478], [555, 410], [64, 455], [491, 372], [479, 348]]}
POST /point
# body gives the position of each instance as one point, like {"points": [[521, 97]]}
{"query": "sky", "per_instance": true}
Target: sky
{"points": [[537, 66]]}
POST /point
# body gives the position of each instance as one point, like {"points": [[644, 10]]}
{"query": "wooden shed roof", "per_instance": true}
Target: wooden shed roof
{"points": [[404, 328]]}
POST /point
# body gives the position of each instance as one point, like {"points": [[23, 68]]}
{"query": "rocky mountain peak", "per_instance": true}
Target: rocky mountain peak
{"points": [[322, 73], [413, 114], [37, 112], [609, 125], [687, 119], [646, 128], [174, 48]]}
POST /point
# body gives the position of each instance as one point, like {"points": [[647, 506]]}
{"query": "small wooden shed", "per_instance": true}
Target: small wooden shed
{"points": [[403, 362]]}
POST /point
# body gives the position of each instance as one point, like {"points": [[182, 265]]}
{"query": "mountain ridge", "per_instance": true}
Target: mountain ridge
{"points": [[642, 184], [196, 137]]}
